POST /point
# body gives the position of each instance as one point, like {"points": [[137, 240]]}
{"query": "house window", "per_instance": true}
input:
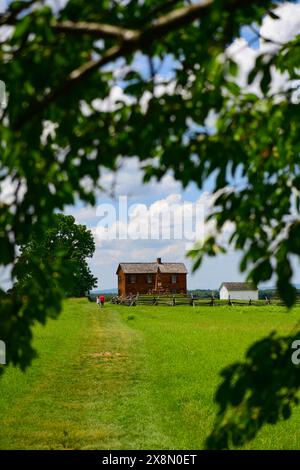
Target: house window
{"points": [[174, 278], [149, 278], [132, 279]]}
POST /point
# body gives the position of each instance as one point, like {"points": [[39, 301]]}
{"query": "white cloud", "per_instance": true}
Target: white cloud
{"points": [[5, 277], [6, 32], [49, 130], [113, 101], [166, 227], [280, 31], [160, 88], [110, 251], [10, 189], [56, 5], [169, 218], [129, 180], [283, 29], [245, 57]]}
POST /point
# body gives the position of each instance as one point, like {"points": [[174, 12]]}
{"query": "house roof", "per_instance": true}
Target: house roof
{"points": [[239, 285], [148, 268], [173, 268]]}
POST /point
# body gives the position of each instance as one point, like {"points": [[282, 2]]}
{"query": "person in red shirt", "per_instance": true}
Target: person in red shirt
{"points": [[102, 300]]}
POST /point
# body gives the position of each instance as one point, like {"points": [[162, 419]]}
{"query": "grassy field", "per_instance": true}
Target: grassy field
{"points": [[133, 378]]}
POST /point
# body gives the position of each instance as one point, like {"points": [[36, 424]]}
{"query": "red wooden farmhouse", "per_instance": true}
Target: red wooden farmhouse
{"points": [[151, 278]]}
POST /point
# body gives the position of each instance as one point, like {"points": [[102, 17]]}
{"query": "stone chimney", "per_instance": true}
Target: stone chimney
{"points": [[158, 260]]}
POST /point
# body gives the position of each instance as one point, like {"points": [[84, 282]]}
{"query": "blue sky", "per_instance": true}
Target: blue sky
{"points": [[110, 253], [129, 182]]}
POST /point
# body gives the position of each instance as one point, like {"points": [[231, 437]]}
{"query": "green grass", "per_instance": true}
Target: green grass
{"points": [[133, 378]]}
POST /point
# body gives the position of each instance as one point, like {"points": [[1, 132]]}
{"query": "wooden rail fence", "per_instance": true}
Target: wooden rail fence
{"points": [[192, 300]]}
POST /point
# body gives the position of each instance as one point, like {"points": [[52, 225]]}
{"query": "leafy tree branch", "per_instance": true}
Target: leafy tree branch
{"points": [[58, 72]]}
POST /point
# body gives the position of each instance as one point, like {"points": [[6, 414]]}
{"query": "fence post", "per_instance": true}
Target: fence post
{"points": [[212, 301], [134, 298], [173, 301], [250, 302], [229, 301]]}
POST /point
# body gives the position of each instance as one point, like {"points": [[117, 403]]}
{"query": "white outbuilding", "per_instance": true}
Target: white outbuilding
{"points": [[238, 291]]}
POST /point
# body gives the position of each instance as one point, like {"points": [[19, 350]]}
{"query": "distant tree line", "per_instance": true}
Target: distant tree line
{"points": [[204, 293], [262, 293]]}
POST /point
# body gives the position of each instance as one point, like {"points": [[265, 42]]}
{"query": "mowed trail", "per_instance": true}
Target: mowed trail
{"points": [[81, 392]]}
